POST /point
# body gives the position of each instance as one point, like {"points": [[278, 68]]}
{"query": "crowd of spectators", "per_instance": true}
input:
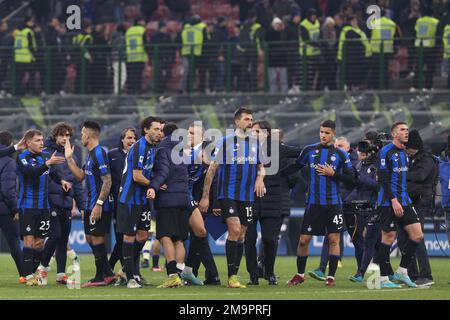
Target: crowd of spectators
{"points": [[108, 20]]}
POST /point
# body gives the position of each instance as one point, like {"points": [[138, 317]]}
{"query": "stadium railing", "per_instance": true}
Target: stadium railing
{"points": [[276, 67]]}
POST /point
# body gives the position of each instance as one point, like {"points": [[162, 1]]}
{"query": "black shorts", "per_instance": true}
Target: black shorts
{"points": [[172, 223], [320, 220], [131, 218], [34, 222], [97, 228], [390, 222], [192, 206], [235, 208]]}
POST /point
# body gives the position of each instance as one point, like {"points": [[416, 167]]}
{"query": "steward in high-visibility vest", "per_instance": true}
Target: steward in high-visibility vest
{"points": [[446, 41], [446, 45], [383, 33], [135, 43], [426, 29], [193, 37], [428, 40], [25, 44], [310, 34], [83, 40], [357, 34], [354, 49]]}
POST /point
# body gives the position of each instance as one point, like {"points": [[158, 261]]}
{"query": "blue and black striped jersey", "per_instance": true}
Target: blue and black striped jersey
{"points": [[238, 159], [141, 156], [324, 190], [392, 170], [197, 172], [33, 177], [95, 167]]}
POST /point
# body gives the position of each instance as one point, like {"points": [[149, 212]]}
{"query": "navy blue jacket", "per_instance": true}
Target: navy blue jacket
{"points": [[174, 176], [8, 194], [367, 188], [6, 151], [117, 158], [57, 197], [345, 189]]}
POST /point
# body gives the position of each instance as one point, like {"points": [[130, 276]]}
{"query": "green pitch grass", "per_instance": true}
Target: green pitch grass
{"points": [[285, 268]]}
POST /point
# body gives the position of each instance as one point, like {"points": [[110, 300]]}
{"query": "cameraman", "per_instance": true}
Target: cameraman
{"points": [[421, 180], [362, 202]]}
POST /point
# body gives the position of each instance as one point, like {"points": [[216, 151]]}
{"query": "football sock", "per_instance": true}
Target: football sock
{"points": [[231, 253]]}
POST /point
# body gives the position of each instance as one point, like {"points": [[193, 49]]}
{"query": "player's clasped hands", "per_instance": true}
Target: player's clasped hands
{"points": [[66, 185]]}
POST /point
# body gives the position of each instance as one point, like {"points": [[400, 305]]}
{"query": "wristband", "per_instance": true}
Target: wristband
{"points": [[99, 202]]}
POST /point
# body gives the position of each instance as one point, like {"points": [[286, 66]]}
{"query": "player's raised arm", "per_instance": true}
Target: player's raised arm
{"points": [[76, 171]]}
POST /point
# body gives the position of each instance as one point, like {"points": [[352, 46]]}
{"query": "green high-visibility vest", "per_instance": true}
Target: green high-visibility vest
{"points": [[426, 28], [314, 34], [446, 41], [134, 42], [343, 37], [383, 31], [192, 39], [22, 53]]}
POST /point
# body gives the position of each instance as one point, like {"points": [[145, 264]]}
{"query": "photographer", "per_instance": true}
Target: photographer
{"points": [[421, 181], [363, 199]]}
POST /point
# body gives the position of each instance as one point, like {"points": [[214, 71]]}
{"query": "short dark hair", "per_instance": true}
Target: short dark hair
{"points": [[265, 125], [92, 125], [31, 133], [61, 128], [240, 111], [398, 123], [124, 132], [169, 128], [329, 124], [6, 138], [147, 123]]}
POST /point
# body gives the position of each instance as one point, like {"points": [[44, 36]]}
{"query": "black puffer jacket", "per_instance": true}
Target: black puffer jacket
{"points": [[276, 201]]}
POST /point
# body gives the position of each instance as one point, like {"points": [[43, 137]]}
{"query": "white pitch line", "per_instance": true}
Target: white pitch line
{"points": [[221, 294]]}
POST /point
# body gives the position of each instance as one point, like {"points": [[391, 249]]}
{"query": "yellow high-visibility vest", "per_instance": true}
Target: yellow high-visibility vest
{"points": [[426, 28], [384, 32], [192, 38], [314, 34], [446, 42], [343, 37], [135, 44], [22, 53]]}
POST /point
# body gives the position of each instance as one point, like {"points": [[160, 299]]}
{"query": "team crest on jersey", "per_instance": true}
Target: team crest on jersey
{"points": [[317, 151], [333, 158], [54, 214], [231, 211], [309, 229], [391, 225], [383, 162], [28, 228]]}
